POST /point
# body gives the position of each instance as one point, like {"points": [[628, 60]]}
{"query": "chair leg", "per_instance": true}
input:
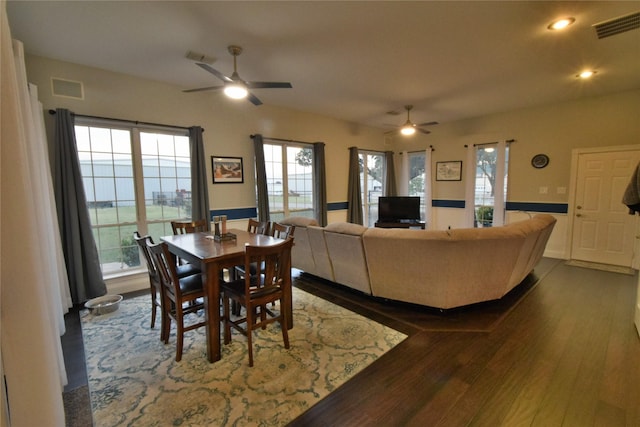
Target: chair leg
{"points": [[285, 333], [227, 319], [250, 322], [166, 320], [153, 307], [179, 332]]}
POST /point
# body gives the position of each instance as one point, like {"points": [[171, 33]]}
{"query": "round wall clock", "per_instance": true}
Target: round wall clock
{"points": [[539, 161]]}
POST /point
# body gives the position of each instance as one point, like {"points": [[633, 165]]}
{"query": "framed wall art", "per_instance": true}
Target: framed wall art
{"points": [[449, 171], [227, 170]]}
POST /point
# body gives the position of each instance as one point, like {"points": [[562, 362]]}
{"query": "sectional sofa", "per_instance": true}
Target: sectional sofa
{"points": [[440, 268]]}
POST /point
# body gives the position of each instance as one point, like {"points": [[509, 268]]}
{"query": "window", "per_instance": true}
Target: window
{"points": [[490, 184], [372, 172], [134, 179], [417, 162], [289, 169]]}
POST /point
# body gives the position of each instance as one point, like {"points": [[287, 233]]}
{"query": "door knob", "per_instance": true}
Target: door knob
{"points": [[578, 214], [578, 207]]}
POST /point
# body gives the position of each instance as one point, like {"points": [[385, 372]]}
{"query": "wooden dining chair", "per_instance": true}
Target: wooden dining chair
{"points": [[282, 231], [258, 227], [184, 227], [154, 280], [181, 296], [255, 292]]}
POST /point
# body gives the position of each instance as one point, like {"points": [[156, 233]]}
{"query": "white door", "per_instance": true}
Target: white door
{"points": [[603, 230]]}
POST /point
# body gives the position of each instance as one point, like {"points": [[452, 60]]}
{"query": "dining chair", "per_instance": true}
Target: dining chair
{"points": [[254, 292], [181, 296], [184, 227], [258, 227], [154, 280], [282, 231]]}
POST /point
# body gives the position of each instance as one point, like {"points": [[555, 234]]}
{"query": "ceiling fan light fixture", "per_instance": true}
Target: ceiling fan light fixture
{"points": [[236, 90], [408, 130]]}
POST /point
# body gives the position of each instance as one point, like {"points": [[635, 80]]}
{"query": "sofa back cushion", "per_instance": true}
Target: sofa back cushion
{"points": [[320, 255], [344, 244], [441, 269]]}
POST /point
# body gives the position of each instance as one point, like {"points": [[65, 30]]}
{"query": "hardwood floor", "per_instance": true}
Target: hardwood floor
{"points": [[565, 354]]}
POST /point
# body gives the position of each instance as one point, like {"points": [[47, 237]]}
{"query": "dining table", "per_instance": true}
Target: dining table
{"points": [[213, 256]]}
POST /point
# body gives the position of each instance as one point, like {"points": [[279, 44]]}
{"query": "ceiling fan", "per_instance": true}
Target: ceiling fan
{"points": [[409, 128], [234, 86]]}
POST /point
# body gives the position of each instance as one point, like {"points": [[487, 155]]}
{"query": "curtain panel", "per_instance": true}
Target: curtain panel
{"points": [[354, 192], [319, 184], [390, 187], [199, 188], [261, 179], [32, 365], [81, 254]]}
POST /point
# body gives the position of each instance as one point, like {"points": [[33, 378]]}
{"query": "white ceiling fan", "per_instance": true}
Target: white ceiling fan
{"points": [[409, 128], [234, 86]]}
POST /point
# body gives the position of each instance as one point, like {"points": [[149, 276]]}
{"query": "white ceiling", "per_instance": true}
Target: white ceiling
{"points": [[350, 60]]}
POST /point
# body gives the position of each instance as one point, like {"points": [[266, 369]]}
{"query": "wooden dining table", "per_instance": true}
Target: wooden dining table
{"points": [[213, 257]]}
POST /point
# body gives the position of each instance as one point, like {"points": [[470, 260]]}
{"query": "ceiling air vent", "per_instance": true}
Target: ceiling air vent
{"points": [[618, 25]]}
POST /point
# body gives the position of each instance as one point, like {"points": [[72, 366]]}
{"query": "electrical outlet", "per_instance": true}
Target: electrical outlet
{"points": [[544, 190]]}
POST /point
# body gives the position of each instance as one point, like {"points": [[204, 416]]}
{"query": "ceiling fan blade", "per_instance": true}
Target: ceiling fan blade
{"points": [[269, 85], [213, 71], [254, 99], [428, 124], [201, 89], [391, 132], [426, 132]]}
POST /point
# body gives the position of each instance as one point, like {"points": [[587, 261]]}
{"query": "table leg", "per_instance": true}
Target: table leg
{"points": [[211, 283]]}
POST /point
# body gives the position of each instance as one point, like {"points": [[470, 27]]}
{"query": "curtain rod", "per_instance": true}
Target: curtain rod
{"points": [[418, 151], [282, 140], [53, 112], [489, 143]]}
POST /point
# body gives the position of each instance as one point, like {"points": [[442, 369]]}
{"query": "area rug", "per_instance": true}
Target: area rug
{"points": [[134, 379]]}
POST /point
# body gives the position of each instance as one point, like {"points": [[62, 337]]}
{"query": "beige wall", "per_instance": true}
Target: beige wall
{"points": [[555, 130], [227, 124]]}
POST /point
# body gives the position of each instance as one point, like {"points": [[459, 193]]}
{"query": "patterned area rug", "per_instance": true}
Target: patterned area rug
{"points": [[135, 380]]}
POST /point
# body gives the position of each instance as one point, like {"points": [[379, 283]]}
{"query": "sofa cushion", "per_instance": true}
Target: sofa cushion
{"points": [[346, 228], [299, 221]]}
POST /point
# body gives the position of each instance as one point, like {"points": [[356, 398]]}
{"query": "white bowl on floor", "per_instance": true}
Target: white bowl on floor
{"points": [[104, 304]]}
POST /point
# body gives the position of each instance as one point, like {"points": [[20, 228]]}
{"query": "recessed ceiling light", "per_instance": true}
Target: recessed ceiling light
{"points": [[560, 24], [586, 74]]}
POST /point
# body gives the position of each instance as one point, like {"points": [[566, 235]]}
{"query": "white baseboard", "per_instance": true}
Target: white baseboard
{"points": [[126, 284]]}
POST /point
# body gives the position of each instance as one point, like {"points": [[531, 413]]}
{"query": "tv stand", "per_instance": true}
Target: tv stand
{"points": [[401, 224]]}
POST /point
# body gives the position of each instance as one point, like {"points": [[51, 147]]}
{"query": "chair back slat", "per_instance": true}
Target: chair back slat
{"points": [[258, 227], [282, 231], [270, 263], [166, 268], [184, 227]]}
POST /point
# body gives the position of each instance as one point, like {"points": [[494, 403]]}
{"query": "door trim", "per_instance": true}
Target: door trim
{"points": [[573, 182]]}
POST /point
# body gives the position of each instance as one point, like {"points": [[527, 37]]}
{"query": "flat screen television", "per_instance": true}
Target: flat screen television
{"points": [[399, 209]]}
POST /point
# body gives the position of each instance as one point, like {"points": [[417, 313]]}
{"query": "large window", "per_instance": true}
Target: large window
{"points": [[372, 173], [134, 179], [490, 184], [417, 179], [289, 169]]}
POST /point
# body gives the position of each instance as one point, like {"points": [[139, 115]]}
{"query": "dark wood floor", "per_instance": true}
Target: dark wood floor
{"points": [[563, 352]]}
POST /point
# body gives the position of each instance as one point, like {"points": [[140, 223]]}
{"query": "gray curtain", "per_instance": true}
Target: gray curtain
{"points": [[319, 184], [199, 188], [390, 188], [261, 179], [354, 196], [78, 244]]}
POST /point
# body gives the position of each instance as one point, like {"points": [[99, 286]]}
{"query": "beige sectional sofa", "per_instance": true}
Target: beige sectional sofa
{"points": [[442, 269]]}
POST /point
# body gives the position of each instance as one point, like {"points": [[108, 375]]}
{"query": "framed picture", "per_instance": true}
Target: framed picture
{"points": [[449, 171], [227, 170]]}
